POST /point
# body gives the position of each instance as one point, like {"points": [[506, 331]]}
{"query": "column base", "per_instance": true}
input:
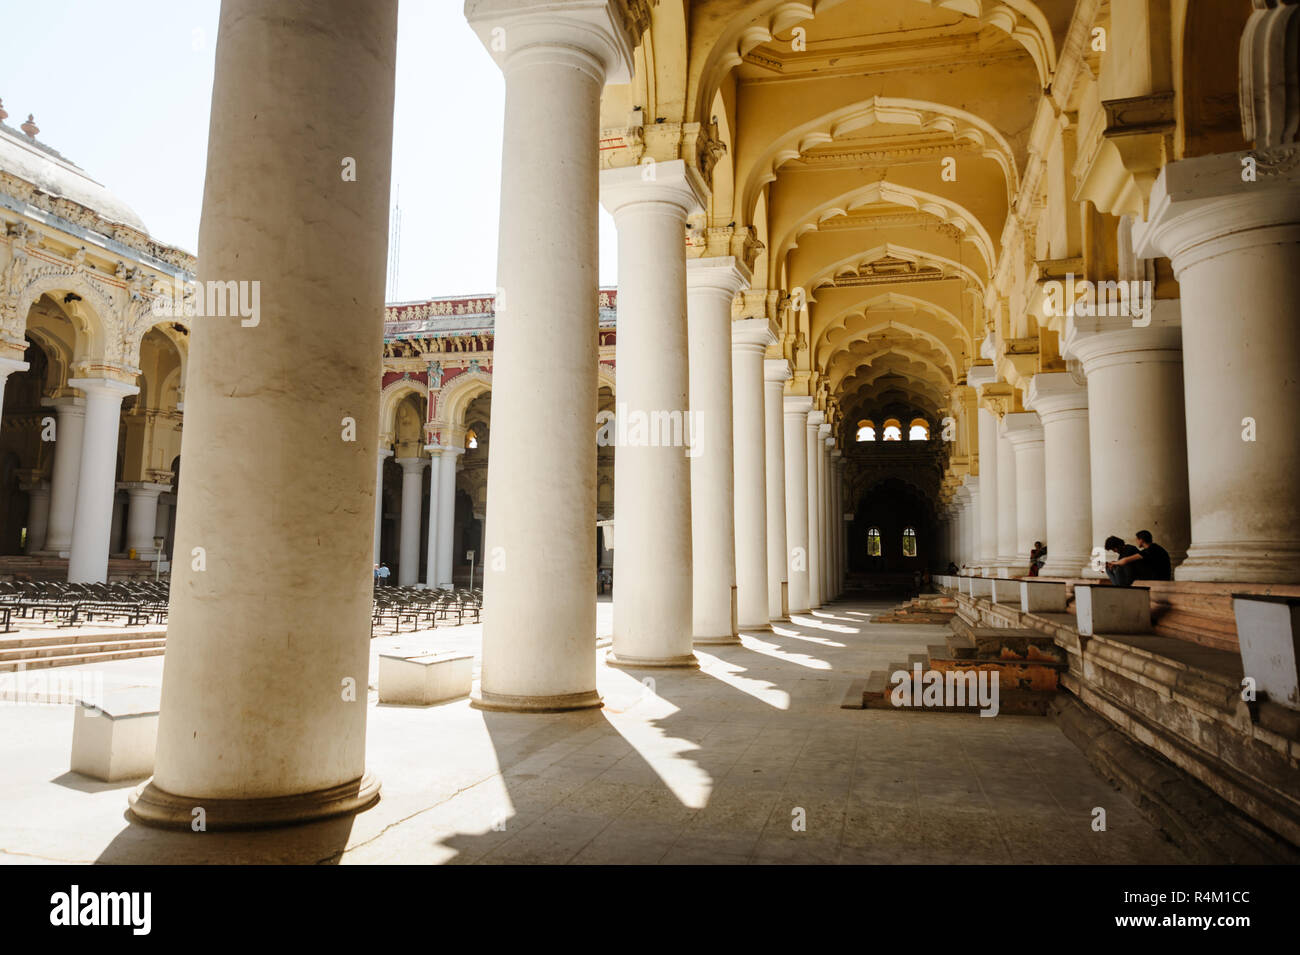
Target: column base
{"points": [[764, 627], [1256, 563], [154, 806], [558, 703], [688, 661], [730, 639]]}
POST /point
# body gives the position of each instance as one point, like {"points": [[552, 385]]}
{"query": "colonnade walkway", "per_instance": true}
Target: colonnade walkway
{"points": [[715, 765]]}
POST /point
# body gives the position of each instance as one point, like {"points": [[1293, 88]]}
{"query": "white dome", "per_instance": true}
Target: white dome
{"points": [[33, 161]]}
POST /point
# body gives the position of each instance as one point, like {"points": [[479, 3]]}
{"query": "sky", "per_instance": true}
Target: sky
{"points": [[123, 90]]}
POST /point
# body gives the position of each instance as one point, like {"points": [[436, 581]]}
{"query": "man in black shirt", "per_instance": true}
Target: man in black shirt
{"points": [[1147, 561]]}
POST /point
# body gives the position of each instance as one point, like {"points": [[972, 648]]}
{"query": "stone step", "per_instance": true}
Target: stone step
{"points": [[76, 659], [20, 654], [91, 635], [1012, 701]]}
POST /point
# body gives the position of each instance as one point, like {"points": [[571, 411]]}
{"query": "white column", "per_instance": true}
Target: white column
{"points": [[447, 514], [7, 367], [96, 480], [69, 428], [431, 565], [1025, 432], [749, 339], [837, 521], [163, 518], [539, 607], [711, 284], [813, 441], [823, 507], [384, 454], [115, 547], [775, 374], [263, 715], [1062, 404], [1008, 521], [1136, 428], [987, 423], [798, 593], [653, 603], [408, 553], [1235, 250], [38, 515], [142, 517]]}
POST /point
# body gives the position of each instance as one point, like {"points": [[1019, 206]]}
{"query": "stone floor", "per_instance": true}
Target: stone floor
{"points": [[718, 765]]}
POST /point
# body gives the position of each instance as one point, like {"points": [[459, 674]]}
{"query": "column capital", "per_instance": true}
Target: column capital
{"points": [[776, 369], [757, 333], [1101, 341], [103, 387], [798, 405], [723, 273], [981, 374], [824, 428], [10, 365], [667, 182], [1203, 207], [816, 417], [143, 488], [1056, 395], [386, 453], [607, 30], [441, 449], [66, 404], [1022, 429], [412, 465]]}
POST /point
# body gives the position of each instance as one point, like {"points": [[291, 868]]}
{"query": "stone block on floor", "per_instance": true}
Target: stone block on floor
{"points": [[424, 679]]}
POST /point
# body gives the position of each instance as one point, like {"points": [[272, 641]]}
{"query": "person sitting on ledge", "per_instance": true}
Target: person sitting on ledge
{"points": [[1147, 561]]}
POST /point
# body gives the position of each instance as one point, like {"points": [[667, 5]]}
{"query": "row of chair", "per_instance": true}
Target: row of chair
{"points": [[134, 602], [423, 608]]}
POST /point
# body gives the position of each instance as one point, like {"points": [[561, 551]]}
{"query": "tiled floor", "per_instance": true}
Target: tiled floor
{"points": [[749, 759]]}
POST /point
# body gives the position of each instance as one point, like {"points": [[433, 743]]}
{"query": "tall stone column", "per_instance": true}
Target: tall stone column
{"points": [[1008, 520], [749, 339], [987, 424], [823, 506], [163, 521], [69, 429], [837, 520], [96, 480], [38, 515], [539, 608], [1235, 249], [435, 518], [447, 514], [776, 372], [1062, 404], [711, 284], [142, 517], [812, 464], [1136, 430], [115, 533], [263, 716], [1025, 432], [408, 552], [798, 593], [384, 454], [653, 603]]}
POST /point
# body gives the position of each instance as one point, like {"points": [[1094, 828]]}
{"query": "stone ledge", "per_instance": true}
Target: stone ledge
{"points": [[1195, 818]]}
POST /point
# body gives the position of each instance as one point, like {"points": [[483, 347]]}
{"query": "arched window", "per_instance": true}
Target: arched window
{"points": [[893, 430], [873, 542], [919, 430], [909, 542], [471, 440], [866, 430]]}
